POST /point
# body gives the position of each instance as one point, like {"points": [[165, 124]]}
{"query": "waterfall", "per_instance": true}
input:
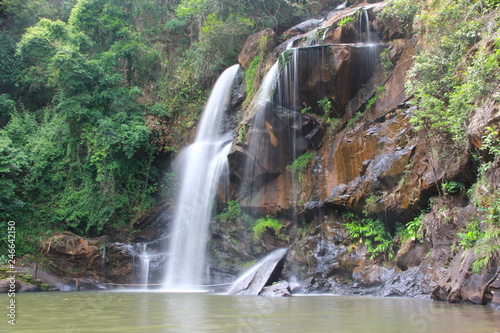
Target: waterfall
{"points": [[275, 139], [200, 166], [144, 266], [367, 26], [364, 19]]}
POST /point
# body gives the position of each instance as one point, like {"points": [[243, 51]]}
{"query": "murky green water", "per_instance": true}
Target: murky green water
{"points": [[72, 312]]}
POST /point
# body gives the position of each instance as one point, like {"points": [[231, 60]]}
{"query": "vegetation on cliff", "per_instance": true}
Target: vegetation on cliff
{"points": [[455, 72]]}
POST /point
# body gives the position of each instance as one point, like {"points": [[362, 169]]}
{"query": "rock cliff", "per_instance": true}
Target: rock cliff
{"points": [[351, 116]]}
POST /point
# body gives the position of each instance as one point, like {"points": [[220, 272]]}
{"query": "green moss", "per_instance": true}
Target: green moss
{"points": [[251, 77]]}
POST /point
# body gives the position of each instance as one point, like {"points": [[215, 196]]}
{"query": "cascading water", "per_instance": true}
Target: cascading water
{"points": [[201, 165], [367, 26], [276, 122]]}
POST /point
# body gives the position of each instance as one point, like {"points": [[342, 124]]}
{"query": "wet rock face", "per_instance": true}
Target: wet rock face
{"points": [[367, 158], [74, 257], [284, 132], [230, 250], [326, 261]]}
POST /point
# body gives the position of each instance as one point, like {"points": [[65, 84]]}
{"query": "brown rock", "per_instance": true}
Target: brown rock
{"points": [[75, 257], [6, 285], [253, 46]]}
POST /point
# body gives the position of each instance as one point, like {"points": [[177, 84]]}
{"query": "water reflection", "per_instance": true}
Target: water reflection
{"points": [[73, 312]]}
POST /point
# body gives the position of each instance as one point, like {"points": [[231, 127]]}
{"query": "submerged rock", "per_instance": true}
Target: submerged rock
{"points": [[278, 289], [262, 274]]}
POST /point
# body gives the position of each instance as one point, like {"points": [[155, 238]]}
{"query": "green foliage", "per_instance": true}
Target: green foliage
{"points": [[231, 212], [483, 236], [445, 79], [25, 13], [220, 41], [371, 204], [265, 223], [373, 233], [374, 98], [241, 133], [485, 243], [300, 164], [93, 90], [487, 249], [403, 11], [234, 213], [87, 155], [470, 235], [492, 3], [346, 21], [385, 59], [251, 77], [452, 187], [189, 8], [306, 110], [7, 108], [325, 105], [251, 74], [413, 229], [491, 142], [357, 117]]}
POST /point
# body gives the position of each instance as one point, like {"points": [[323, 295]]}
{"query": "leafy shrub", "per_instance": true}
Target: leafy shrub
{"points": [[300, 164], [265, 223], [231, 212], [470, 235], [487, 249], [385, 59], [374, 98], [373, 233], [403, 11], [452, 187]]}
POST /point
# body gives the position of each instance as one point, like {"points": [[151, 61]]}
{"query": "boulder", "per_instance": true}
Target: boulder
{"points": [[73, 257], [262, 274], [278, 289], [302, 28], [262, 41]]}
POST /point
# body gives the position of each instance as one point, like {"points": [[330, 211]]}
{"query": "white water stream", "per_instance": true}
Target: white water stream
{"points": [[200, 166]]}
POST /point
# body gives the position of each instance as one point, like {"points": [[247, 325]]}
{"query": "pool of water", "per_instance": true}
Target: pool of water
{"points": [[142, 311]]}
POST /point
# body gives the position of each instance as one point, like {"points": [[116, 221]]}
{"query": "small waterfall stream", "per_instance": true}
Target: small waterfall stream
{"points": [[364, 21]]}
